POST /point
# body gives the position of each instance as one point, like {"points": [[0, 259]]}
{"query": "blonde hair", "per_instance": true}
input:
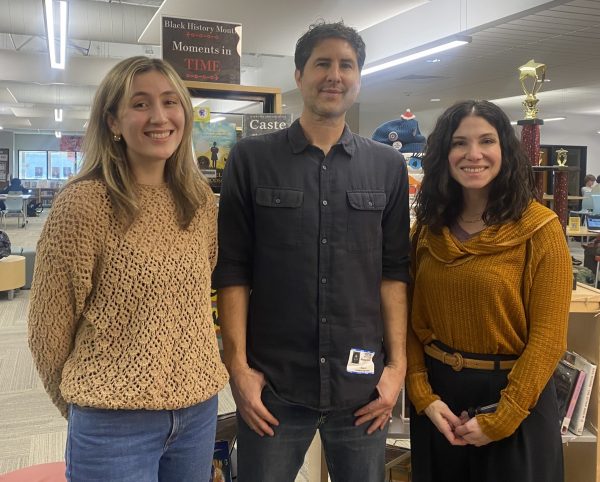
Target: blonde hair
{"points": [[106, 159]]}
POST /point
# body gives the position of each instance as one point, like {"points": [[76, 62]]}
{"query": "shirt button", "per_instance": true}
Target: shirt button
{"points": [[371, 203], [324, 320], [322, 359], [324, 167], [323, 280], [324, 241], [324, 202], [277, 201]]}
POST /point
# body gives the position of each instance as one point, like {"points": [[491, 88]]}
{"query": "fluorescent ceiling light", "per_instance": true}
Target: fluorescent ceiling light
{"points": [[50, 33], [58, 134], [12, 95], [423, 52], [58, 115], [217, 119]]}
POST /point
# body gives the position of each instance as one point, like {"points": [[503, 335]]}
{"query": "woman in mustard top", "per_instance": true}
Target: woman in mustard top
{"points": [[489, 308]]}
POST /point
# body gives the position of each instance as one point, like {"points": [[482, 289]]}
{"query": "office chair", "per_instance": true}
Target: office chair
{"points": [[596, 203], [15, 208], [587, 203]]}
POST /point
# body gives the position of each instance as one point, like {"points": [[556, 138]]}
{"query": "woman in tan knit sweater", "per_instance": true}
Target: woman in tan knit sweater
{"points": [[490, 301], [120, 323]]}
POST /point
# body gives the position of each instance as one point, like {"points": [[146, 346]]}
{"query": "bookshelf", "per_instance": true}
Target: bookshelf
{"points": [[582, 454], [43, 191], [4, 167]]}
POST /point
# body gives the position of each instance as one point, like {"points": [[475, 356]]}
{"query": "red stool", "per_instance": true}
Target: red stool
{"points": [[53, 472]]}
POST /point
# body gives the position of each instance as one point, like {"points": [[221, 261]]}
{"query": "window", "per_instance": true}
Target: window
{"points": [[62, 164], [33, 164], [44, 165]]}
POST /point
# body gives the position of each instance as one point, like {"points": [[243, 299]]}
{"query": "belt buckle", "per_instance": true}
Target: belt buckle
{"points": [[460, 362]]}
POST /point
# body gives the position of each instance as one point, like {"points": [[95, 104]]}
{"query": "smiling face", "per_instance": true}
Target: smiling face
{"points": [[151, 121], [475, 156], [330, 81]]}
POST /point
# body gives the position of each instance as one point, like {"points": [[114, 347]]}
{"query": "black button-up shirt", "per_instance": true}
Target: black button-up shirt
{"points": [[312, 236]]}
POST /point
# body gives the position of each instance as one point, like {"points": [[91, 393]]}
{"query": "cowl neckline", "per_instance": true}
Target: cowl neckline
{"points": [[446, 248]]}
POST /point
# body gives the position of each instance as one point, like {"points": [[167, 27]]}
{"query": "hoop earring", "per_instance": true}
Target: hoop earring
{"points": [[117, 137]]}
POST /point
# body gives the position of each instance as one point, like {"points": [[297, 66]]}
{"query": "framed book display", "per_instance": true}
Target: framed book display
{"points": [[225, 106]]}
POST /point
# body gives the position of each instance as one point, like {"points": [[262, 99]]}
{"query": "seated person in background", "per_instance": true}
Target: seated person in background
{"points": [[596, 187], [588, 182], [14, 185]]}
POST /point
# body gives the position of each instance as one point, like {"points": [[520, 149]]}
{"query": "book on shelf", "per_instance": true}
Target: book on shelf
{"points": [[221, 464], [564, 428], [580, 411], [565, 378]]}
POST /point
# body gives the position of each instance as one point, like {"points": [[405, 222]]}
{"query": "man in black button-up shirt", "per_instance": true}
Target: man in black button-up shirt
{"points": [[312, 274]]}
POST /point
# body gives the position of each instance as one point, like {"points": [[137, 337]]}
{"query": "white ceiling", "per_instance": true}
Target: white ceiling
{"points": [[565, 35]]}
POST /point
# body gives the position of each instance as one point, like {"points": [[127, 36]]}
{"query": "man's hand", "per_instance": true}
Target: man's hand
{"points": [[246, 386], [445, 421], [379, 410], [471, 432]]}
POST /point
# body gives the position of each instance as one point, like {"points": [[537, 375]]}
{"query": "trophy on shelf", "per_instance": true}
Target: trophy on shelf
{"points": [[531, 76], [561, 157]]}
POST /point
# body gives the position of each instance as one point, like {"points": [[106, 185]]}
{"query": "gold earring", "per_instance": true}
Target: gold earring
{"points": [[117, 137]]}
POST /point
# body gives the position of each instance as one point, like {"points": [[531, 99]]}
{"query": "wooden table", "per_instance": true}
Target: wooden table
{"points": [[583, 232], [550, 197]]}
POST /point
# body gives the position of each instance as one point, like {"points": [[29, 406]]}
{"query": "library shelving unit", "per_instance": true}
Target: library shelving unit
{"points": [[43, 191], [582, 453]]}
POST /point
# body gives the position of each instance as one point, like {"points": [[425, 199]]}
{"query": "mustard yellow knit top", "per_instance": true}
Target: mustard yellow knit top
{"points": [[123, 320], [506, 290]]}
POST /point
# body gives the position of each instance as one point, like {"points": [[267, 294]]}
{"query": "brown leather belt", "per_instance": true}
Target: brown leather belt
{"points": [[458, 362]]}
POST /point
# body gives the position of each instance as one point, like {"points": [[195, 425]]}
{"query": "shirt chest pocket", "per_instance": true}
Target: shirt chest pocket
{"points": [[279, 215], [364, 219]]}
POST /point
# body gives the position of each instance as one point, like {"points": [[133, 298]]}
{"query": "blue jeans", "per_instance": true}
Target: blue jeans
{"points": [[141, 445], [351, 454]]}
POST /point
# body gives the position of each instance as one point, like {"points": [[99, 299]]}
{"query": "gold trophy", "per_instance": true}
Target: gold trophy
{"points": [[531, 76], [561, 157]]}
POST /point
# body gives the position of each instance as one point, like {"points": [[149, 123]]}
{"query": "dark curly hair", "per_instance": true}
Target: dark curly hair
{"points": [[440, 199], [320, 31]]}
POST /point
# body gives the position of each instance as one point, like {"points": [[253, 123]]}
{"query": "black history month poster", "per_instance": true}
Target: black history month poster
{"points": [[201, 50]]}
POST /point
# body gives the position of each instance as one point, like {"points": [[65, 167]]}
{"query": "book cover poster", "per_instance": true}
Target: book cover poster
{"points": [[212, 142], [256, 124], [221, 464], [201, 50]]}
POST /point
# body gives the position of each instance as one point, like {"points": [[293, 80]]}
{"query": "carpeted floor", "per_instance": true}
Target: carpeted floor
{"points": [[31, 429]]}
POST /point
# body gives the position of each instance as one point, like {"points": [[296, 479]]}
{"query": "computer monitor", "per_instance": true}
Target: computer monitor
{"points": [[593, 223]]}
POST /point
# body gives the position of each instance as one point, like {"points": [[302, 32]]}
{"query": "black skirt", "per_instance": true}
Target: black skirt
{"points": [[533, 453]]}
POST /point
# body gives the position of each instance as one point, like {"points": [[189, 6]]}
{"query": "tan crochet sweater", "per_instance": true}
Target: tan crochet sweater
{"points": [[506, 290], [123, 320]]}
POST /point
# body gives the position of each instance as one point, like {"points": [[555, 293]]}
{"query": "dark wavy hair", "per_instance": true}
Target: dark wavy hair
{"points": [[440, 199], [320, 31]]}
